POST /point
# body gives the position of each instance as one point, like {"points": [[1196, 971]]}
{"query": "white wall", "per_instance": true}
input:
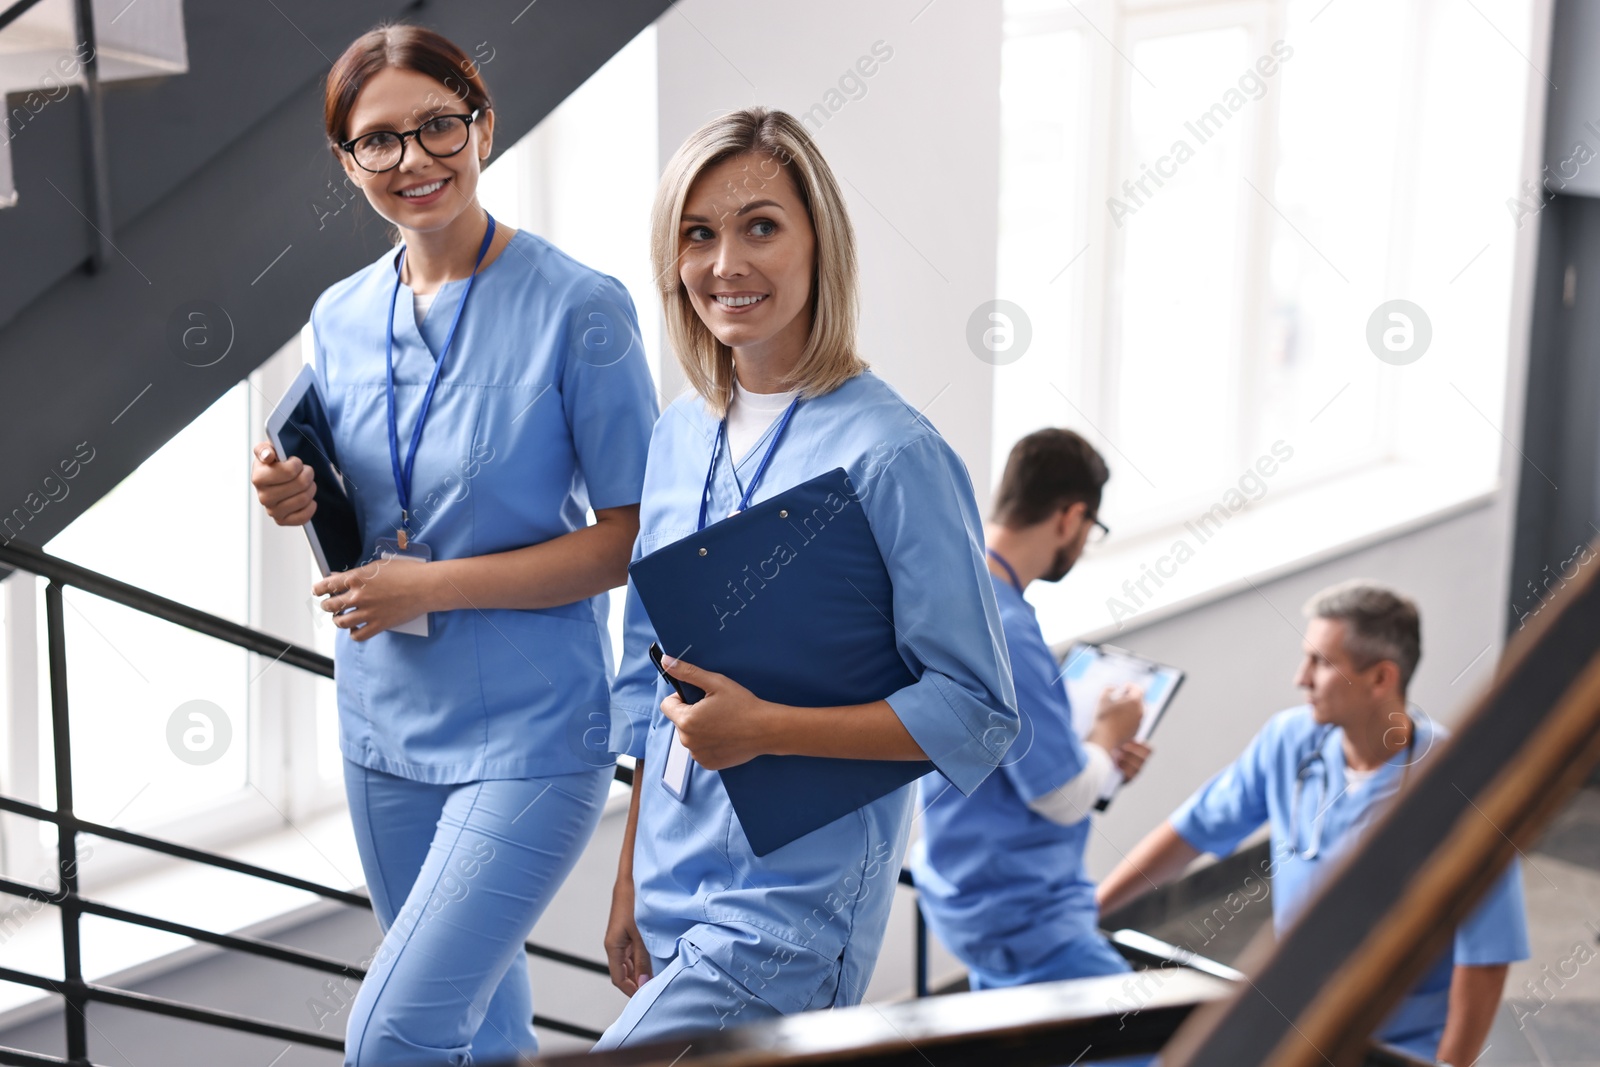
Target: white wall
{"points": [[916, 154]]}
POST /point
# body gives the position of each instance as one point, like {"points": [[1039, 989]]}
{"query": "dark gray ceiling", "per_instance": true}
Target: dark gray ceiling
{"points": [[222, 189]]}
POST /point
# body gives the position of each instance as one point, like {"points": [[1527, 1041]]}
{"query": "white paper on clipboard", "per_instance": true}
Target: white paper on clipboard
{"points": [[1089, 669]]}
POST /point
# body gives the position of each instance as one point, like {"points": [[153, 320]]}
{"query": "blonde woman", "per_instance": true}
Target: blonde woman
{"points": [[757, 261]]}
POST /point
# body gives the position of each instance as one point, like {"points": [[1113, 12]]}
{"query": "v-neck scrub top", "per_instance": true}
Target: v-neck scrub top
{"points": [[1264, 785], [1003, 887], [543, 411], [785, 922]]}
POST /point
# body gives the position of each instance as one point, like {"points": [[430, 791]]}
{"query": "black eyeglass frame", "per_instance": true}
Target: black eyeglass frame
{"points": [[1105, 531], [350, 145]]}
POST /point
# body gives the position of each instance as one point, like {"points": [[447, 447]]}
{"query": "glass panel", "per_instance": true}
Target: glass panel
{"points": [[160, 723], [1043, 170], [1180, 214], [1332, 242], [1462, 237], [598, 214], [177, 526]]}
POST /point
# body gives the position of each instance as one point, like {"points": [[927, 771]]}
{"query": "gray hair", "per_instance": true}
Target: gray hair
{"points": [[1380, 624]]}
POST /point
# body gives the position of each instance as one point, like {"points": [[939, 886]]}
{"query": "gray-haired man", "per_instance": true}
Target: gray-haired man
{"points": [[1319, 775]]}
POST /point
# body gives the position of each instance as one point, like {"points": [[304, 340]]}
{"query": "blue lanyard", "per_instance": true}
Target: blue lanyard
{"points": [[761, 468], [402, 476], [1011, 572]]}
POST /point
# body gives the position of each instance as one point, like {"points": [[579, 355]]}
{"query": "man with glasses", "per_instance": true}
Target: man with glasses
{"points": [[1000, 873], [1319, 775]]}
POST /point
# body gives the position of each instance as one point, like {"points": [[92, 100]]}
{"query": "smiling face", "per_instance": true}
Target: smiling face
{"points": [[399, 100], [747, 254]]}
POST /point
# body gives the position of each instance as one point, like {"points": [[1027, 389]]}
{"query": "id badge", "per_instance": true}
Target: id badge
{"points": [[675, 775], [389, 548]]}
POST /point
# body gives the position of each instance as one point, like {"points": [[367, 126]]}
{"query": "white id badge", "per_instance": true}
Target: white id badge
{"points": [[675, 775], [389, 548]]}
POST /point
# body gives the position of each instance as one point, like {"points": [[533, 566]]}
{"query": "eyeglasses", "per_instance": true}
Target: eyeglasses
{"points": [[1099, 531], [441, 137]]}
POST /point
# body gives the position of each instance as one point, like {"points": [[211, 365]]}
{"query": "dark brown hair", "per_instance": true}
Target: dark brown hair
{"points": [[1048, 470], [404, 47]]}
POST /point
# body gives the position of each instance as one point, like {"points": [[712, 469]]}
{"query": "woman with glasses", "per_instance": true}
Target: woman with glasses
{"points": [[485, 392], [755, 255]]}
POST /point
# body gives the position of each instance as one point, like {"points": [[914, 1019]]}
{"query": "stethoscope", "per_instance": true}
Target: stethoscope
{"points": [[1315, 760]]}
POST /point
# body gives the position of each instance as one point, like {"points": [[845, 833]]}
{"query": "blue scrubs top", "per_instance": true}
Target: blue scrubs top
{"points": [[543, 411], [783, 923], [1002, 886], [1261, 786]]}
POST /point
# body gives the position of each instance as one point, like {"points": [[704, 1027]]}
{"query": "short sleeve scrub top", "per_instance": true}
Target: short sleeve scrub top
{"points": [[542, 411]]}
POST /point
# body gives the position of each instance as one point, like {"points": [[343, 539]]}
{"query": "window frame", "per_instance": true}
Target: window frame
{"points": [[1113, 28], [283, 783]]}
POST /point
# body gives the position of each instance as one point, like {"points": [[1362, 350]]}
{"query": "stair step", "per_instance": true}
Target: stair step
{"points": [[40, 57]]}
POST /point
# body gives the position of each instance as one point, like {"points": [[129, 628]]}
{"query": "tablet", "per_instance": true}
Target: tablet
{"points": [[1089, 669], [299, 426]]}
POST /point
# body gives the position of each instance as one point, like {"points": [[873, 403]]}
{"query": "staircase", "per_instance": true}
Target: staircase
{"points": [[43, 54], [175, 209]]}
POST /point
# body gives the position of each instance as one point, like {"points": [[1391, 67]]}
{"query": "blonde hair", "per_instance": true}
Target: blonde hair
{"points": [[829, 359]]}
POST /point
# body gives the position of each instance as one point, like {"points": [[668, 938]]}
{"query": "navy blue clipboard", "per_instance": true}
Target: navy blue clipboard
{"points": [[791, 599]]}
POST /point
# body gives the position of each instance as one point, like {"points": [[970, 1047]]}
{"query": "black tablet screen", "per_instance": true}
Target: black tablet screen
{"points": [[307, 435]]}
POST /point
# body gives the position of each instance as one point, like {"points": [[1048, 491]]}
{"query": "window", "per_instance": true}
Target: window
{"points": [[1204, 208], [585, 177], [177, 526]]}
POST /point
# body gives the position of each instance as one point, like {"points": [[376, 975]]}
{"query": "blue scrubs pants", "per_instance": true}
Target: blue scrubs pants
{"points": [[1090, 956], [1424, 1044], [458, 875], [695, 992]]}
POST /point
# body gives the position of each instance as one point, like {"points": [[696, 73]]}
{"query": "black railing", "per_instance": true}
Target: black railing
{"points": [[16, 11], [1138, 948], [76, 991], [1389, 908], [96, 170], [72, 987]]}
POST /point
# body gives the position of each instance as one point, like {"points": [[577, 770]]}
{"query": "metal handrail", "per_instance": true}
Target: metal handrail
{"points": [[16, 11], [170, 848], [1524, 748], [1023, 1026], [1157, 1021], [1135, 946], [77, 992], [24, 557]]}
